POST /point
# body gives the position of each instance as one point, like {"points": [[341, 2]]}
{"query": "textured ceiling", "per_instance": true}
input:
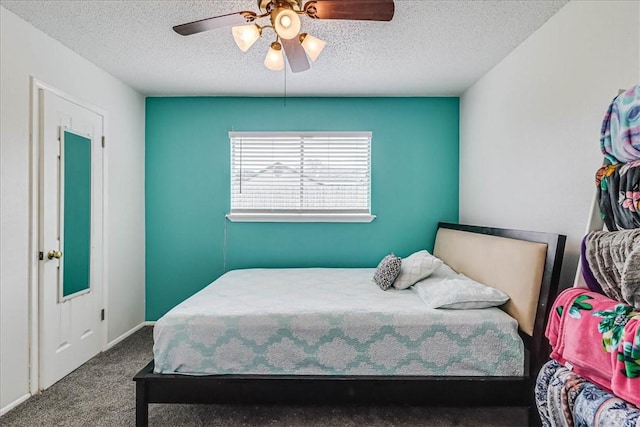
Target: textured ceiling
{"points": [[430, 48]]}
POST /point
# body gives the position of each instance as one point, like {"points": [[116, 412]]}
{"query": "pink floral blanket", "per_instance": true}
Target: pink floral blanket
{"points": [[599, 339]]}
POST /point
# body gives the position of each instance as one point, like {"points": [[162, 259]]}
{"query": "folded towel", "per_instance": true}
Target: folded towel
{"points": [[597, 338], [626, 372], [613, 258], [630, 285], [618, 189], [565, 399]]}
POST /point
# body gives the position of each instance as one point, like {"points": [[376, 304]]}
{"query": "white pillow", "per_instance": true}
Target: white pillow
{"points": [[416, 267], [443, 272], [459, 292]]}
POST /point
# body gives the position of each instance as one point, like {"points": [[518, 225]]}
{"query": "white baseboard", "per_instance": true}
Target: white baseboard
{"points": [[13, 404], [21, 399], [128, 333]]}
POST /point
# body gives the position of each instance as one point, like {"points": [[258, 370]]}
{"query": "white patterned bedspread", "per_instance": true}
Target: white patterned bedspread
{"points": [[317, 321]]}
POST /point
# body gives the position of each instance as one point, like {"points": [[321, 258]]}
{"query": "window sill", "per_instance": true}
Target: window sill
{"points": [[249, 217]]}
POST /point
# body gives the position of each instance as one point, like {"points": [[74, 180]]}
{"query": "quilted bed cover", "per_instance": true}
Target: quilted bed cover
{"points": [[318, 321]]}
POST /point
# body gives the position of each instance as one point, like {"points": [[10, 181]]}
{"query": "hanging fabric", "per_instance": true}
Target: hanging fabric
{"points": [[620, 132]]}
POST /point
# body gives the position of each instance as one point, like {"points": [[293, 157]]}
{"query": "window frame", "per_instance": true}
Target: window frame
{"points": [[298, 216]]}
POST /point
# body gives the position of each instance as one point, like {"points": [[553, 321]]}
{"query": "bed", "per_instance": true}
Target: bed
{"points": [[392, 348]]}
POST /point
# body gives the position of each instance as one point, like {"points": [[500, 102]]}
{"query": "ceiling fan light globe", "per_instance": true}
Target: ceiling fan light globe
{"points": [[286, 23], [313, 46], [274, 60], [246, 35]]}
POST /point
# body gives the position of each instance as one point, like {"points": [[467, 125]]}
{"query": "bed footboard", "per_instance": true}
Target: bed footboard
{"points": [[379, 390]]}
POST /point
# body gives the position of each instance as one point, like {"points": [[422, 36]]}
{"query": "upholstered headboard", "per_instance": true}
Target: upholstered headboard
{"points": [[525, 265]]}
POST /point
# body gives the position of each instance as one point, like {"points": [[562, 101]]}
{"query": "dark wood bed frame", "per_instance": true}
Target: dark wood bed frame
{"points": [[416, 390]]}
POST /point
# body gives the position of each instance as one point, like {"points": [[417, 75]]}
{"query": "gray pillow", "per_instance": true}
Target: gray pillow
{"points": [[387, 271]]}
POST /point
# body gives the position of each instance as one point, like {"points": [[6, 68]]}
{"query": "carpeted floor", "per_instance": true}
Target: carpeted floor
{"points": [[102, 393]]}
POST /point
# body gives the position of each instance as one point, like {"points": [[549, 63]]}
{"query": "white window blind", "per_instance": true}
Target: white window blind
{"points": [[290, 173]]}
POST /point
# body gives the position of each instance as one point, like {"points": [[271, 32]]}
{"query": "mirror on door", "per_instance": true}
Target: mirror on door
{"points": [[75, 166]]}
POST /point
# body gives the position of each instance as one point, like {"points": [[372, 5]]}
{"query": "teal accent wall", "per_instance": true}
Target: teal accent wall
{"points": [[189, 243]]}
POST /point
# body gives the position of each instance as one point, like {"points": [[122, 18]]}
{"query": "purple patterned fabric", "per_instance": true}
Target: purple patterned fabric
{"points": [[587, 274]]}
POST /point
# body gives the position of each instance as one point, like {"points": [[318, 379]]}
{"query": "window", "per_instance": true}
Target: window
{"points": [[294, 176]]}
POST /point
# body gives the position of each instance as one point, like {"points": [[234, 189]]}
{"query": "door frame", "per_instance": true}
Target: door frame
{"points": [[35, 211]]}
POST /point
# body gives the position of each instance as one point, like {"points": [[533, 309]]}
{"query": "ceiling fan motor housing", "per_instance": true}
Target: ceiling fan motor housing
{"points": [[270, 5]]}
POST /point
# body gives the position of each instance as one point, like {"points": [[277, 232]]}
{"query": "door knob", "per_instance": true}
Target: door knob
{"points": [[54, 254]]}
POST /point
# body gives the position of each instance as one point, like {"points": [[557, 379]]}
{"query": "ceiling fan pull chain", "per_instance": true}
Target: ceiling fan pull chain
{"points": [[285, 84]]}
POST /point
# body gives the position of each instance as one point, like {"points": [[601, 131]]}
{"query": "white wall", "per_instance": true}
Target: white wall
{"points": [[529, 128], [25, 52]]}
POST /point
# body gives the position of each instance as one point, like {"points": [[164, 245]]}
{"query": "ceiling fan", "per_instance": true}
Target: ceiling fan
{"points": [[285, 23]]}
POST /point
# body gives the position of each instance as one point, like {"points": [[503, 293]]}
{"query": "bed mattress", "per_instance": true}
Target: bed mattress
{"points": [[317, 321]]}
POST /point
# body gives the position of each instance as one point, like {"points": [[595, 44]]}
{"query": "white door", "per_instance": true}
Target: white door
{"points": [[70, 236]]}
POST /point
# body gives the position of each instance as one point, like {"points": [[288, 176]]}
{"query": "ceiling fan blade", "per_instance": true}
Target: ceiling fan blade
{"points": [[296, 55], [231, 19], [364, 10]]}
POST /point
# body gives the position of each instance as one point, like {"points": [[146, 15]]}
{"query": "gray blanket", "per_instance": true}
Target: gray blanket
{"points": [[614, 260]]}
